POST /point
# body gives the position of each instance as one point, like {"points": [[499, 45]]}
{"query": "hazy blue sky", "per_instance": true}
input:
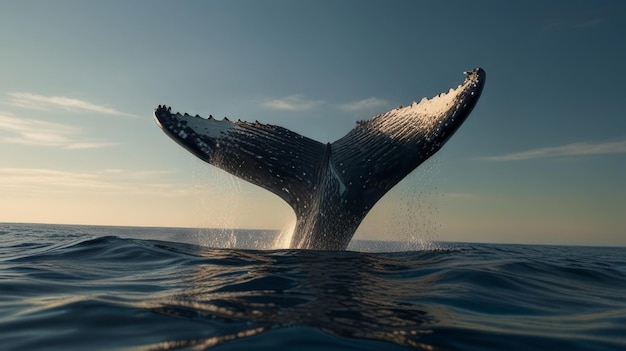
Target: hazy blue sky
{"points": [[542, 159]]}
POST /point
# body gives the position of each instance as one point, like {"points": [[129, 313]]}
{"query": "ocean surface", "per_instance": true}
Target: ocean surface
{"points": [[120, 288]]}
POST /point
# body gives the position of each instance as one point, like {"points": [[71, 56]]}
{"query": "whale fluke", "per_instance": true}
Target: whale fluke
{"points": [[331, 187]]}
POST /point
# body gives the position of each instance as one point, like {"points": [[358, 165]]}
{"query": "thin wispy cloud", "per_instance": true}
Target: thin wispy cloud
{"points": [[588, 23], [48, 103], [366, 104], [569, 150], [292, 103], [575, 21], [14, 130], [41, 181], [468, 196]]}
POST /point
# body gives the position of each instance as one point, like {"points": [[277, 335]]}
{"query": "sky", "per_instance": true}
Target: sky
{"points": [[541, 159]]}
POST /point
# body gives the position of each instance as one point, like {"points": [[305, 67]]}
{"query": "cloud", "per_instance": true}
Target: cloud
{"points": [[460, 196], [42, 133], [577, 20], [291, 103], [366, 104], [40, 102], [36, 181], [298, 103], [589, 23], [574, 149]]}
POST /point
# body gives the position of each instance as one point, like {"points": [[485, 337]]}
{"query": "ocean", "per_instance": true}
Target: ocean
{"points": [[123, 288]]}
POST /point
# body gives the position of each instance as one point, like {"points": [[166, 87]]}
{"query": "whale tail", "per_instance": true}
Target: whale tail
{"points": [[331, 187]]}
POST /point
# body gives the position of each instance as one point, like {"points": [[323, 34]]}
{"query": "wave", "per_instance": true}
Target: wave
{"points": [[133, 293]]}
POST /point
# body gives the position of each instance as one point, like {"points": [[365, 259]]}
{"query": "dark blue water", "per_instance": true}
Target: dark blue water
{"points": [[82, 287]]}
